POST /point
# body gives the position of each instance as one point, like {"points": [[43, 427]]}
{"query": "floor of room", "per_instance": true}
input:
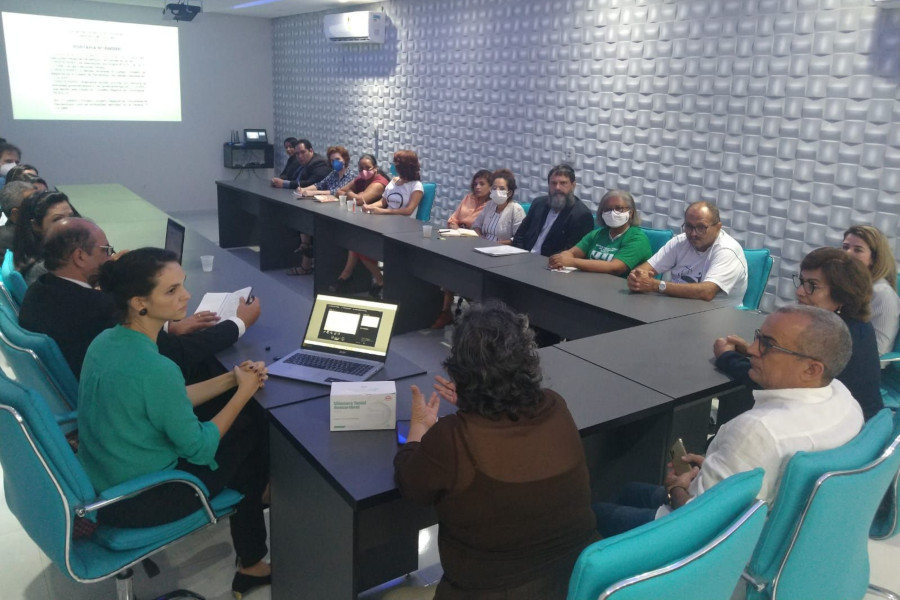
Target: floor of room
{"points": [[204, 561]]}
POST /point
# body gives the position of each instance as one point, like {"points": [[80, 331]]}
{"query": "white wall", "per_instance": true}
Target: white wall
{"points": [[226, 83]]}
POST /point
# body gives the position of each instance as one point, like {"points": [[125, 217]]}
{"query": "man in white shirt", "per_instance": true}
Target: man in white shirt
{"points": [[794, 357], [703, 261]]}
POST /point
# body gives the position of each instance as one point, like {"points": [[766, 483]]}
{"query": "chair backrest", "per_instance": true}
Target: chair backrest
{"points": [[657, 237], [423, 213], [526, 206], [13, 280], [38, 363], [759, 265], [795, 488], [7, 300], [623, 567], [42, 479]]}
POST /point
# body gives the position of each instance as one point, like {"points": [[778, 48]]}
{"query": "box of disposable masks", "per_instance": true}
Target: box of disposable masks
{"points": [[363, 405]]}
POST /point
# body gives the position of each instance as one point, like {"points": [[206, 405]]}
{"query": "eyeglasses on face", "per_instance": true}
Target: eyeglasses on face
{"points": [[766, 344], [809, 286], [108, 249], [616, 209], [698, 229]]}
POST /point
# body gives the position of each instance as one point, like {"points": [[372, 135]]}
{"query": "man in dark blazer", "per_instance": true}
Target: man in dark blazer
{"points": [[555, 222], [64, 305], [313, 168]]}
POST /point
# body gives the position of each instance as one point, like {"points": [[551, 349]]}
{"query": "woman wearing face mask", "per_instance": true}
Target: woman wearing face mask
{"points": [[464, 216], [616, 247], [869, 246], [499, 222], [368, 185], [340, 176]]}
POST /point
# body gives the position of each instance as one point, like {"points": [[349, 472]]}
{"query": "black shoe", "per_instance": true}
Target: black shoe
{"points": [[375, 290], [243, 583], [339, 286]]}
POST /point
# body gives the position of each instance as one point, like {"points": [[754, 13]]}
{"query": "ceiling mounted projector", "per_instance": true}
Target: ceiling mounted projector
{"points": [[181, 11]]}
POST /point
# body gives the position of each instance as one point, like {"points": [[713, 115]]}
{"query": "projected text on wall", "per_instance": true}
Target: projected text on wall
{"points": [[75, 69]]}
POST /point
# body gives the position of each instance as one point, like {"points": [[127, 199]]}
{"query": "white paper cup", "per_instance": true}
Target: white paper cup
{"points": [[343, 201], [426, 231], [207, 262]]}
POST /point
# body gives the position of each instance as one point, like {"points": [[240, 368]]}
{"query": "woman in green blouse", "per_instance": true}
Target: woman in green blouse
{"points": [[135, 415]]}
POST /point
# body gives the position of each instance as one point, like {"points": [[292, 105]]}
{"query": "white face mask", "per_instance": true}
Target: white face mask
{"points": [[4, 169], [615, 219], [499, 196]]}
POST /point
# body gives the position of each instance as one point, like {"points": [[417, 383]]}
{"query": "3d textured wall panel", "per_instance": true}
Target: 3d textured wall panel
{"points": [[784, 112]]}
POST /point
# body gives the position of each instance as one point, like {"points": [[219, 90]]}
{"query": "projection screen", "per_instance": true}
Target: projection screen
{"points": [[78, 69]]}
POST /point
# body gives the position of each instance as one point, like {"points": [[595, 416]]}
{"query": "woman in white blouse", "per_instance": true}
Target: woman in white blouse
{"points": [[499, 221], [868, 245]]}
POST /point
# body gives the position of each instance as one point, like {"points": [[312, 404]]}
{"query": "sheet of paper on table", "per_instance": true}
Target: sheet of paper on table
{"points": [[223, 304], [457, 233], [500, 250]]}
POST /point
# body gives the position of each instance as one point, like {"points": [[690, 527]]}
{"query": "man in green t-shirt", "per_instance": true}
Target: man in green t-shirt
{"points": [[617, 247]]}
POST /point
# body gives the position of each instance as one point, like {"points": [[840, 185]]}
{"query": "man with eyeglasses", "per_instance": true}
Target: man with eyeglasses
{"points": [[703, 261], [64, 304], [794, 357]]}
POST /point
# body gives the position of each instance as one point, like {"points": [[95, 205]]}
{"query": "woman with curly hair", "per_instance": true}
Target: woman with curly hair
{"points": [[506, 474]]}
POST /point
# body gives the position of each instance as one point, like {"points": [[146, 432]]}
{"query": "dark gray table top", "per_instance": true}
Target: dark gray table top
{"points": [[597, 398], [673, 357], [460, 249], [382, 224], [606, 292]]}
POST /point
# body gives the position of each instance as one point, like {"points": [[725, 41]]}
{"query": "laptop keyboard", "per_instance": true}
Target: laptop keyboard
{"points": [[328, 364]]}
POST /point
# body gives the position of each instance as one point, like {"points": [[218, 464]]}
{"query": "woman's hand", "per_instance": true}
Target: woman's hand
{"points": [[446, 389], [250, 376], [374, 209], [424, 414], [563, 259]]}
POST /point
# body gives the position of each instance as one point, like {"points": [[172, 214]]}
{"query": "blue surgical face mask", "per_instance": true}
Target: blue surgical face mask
{"points": [[337, 165]]}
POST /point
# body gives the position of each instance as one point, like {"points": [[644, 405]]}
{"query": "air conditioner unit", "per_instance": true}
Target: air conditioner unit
{"points": [[361, 27]]}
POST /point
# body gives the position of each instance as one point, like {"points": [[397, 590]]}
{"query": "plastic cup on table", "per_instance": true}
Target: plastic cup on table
{"points": [[206, 261], [426, 230]]}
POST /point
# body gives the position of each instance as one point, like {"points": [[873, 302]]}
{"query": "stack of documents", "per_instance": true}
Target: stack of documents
{"points": [[457, 233], [500, 250], [224, 304]]}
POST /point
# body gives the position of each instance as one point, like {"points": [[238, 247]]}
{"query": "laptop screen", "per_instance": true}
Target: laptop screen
{"points": [[350, 325], [255, 135], [175, 238]]}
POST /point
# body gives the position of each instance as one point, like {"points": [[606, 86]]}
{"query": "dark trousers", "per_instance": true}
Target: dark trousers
{"points": [[243, 459], [636, 505]]}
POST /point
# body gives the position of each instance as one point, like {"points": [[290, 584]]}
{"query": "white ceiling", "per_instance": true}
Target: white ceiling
{"points": [[269, 9]]}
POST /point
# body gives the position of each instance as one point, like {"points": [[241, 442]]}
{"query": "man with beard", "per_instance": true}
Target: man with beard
{"points": [[703, 261], [555, 222]]}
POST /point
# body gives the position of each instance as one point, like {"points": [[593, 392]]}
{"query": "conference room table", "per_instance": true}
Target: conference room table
{"points": [[339, 525], [359, 532]]}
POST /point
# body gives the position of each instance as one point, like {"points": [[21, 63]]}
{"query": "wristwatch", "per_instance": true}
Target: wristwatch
{"points": [[662, 287]]}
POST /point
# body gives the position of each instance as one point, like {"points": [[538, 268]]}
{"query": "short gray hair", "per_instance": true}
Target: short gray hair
{"points": [[825, 337], [12, 194]]}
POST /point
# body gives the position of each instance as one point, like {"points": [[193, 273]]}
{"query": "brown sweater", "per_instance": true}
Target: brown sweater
{"points": [[512, 498]]}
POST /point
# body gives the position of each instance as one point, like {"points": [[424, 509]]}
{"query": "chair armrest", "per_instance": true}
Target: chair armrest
{"points": [[889, 357], [133, 487], [69, 417], [759, 585]]}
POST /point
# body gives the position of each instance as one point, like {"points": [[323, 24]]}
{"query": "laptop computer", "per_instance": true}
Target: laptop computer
{"points": [[346, 340], [175, 238], [255, 136]]}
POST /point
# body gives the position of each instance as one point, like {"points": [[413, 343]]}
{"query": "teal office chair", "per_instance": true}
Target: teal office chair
{"points": [[814, 544], [6, 299], [890, 375], [697, 552], [423, 213], [47, 490], [759, 265], [38, 364], [885, 524], [525, 206], [13, 280], [657, 237]]}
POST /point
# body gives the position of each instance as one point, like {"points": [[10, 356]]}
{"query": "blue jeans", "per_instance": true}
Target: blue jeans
{"points": [[636, 505]]}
